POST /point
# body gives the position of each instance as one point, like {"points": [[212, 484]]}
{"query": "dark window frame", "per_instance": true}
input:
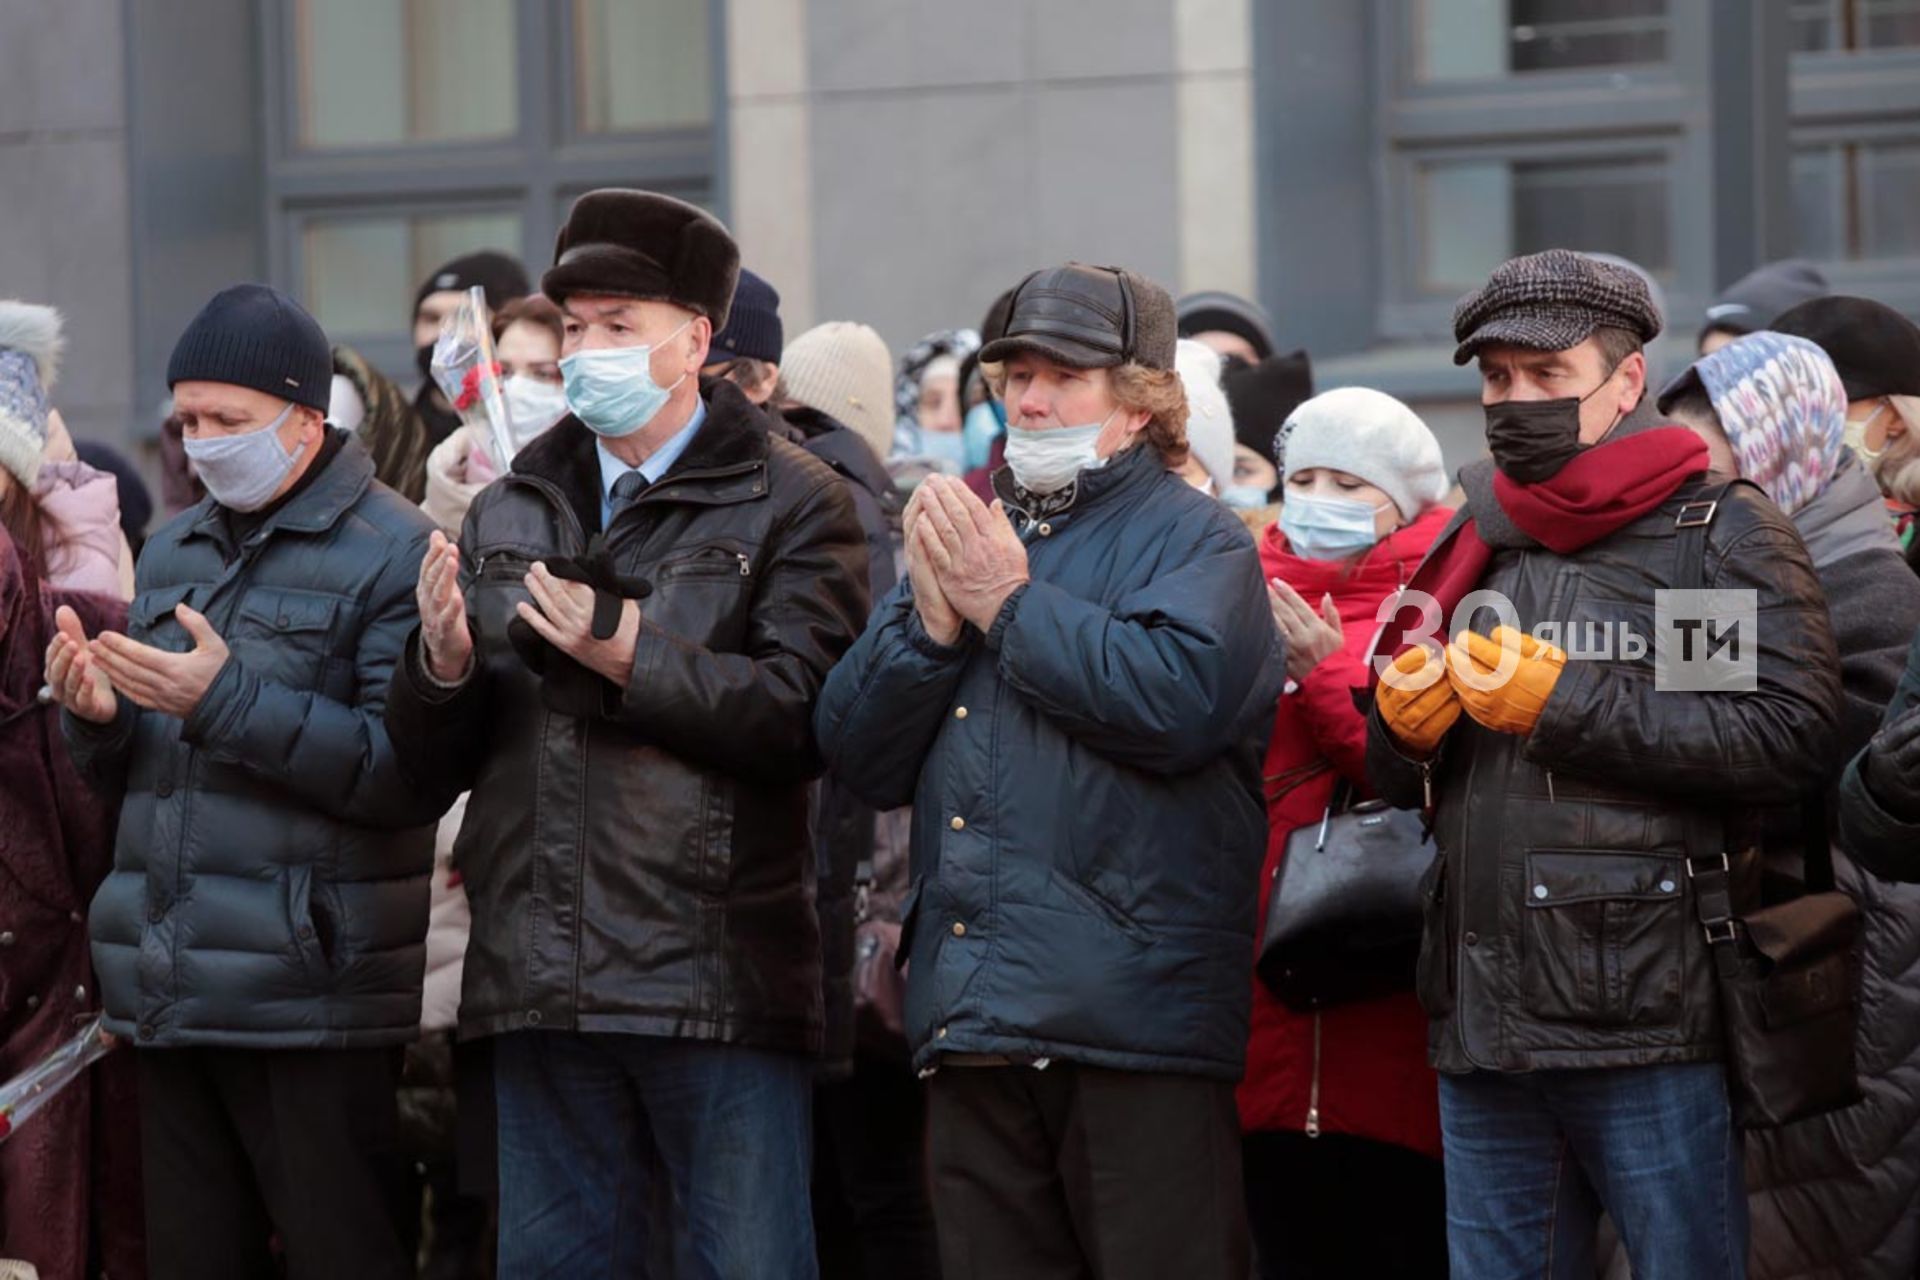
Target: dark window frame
{"points": [[535, 173]]}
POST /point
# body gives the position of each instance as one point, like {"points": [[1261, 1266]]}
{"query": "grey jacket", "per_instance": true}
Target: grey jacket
{"points": [[269, 886]]}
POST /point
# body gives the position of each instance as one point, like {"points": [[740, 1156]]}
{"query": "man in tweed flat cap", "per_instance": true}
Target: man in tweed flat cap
{"points": [[1581, 807]]}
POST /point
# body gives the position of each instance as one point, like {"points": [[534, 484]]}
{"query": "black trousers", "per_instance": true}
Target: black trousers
{"points": [[243, 1145], [1083, 1173], [1338, 1206], [872, 1219]]}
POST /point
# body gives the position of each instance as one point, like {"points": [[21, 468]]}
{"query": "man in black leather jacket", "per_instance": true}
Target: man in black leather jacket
{"points": [[1574, 1012], [621, 661]]}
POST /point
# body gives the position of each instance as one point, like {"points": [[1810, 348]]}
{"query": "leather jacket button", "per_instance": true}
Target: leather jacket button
{"points": [[75, 917], [533, 1017], [6, 939], [1473, 939], [33, 1002]]}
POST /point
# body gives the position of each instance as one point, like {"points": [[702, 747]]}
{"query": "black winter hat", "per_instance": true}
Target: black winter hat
{"points": [[1264, 396], [640, 244], [1752, 302], [500, 274], [253, 335], [1229, 313], [1875, 348], [1088, 318], [753, 324]]}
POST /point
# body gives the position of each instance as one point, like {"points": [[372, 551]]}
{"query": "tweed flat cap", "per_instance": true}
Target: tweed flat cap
{"points": [[1552, 301]]}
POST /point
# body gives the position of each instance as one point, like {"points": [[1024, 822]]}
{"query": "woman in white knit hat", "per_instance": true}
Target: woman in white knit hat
{"points": [[1338, 1108]]}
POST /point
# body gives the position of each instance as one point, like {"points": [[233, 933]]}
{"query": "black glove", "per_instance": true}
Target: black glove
{"points": [[566, 686], [1890, 766]]}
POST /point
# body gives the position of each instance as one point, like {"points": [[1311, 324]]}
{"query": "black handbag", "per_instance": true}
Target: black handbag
{"points": [[1343, 922], [1788, 973]]}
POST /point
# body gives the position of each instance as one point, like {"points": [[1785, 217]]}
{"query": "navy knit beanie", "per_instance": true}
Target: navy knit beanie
{"points": [[253, 335], [753, 325]]}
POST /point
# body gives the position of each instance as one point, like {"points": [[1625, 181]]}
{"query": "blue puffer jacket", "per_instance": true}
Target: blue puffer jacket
{"points": [[1088, 823], [269, 883]]}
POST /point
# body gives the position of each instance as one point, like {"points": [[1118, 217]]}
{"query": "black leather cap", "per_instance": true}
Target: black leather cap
{"points": [[1875, 348], [1089, 318]]}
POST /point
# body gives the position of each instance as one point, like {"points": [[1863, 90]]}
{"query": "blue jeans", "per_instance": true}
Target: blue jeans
{"points": [[1532, 1161], [582, 1117]]}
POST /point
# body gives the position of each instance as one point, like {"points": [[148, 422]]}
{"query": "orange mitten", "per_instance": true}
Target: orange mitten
{"points": [[1415, 700], [1512, 704]]}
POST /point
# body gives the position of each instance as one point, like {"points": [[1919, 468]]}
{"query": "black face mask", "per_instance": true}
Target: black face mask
{"points": [[1530, 440], [423, 360], [1233, 364]]}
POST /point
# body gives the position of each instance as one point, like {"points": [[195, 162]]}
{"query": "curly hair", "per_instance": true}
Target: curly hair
{"points": [[1136, 389]]}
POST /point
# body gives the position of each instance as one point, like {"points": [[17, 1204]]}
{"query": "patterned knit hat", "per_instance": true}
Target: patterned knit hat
{"points": [[845, 371], [1553, 301], [30, 345], [1784, 412]]}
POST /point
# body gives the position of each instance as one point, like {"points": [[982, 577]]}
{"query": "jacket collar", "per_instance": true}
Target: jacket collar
{"points": [[725, 461], [314, 509], [1125, 472]]}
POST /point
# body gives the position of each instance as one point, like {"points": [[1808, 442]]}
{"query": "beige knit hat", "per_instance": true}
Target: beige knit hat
{"points": [[845, 371]]}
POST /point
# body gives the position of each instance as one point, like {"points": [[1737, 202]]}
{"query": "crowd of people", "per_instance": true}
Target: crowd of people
{"points": [[812, 812]]}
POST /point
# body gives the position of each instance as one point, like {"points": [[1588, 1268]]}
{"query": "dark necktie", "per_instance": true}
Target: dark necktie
{"points": [[627, 488]]}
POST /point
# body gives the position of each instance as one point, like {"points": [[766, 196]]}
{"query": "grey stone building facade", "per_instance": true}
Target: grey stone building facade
{"points": [[1356, 164]]}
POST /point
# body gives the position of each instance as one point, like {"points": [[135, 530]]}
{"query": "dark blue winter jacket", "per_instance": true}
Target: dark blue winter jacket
{"points": [[1088, 822]]}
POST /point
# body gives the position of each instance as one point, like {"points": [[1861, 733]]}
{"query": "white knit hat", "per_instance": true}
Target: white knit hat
{"points": [[1373, 437], [845, 371], [1209, 420], [30, 346]]}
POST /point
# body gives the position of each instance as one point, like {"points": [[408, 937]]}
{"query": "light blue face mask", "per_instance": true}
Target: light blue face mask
{"points": [[243, 472], [611, 389], [1328, 528], [986, 422], [1245, 497]]}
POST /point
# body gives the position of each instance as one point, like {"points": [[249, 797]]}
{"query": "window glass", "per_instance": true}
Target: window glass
{"points": [[641, 64], [361, 270], [1477, 213], [1848, 26], [376, 73], [1858, 201], [1482, 39]]}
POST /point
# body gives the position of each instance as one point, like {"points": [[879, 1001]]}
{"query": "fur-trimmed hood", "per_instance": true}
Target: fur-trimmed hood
{"points": [[36, 330]]}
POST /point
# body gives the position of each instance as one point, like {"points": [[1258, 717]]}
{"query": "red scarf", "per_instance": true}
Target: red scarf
{"points": [[1598, 492]]}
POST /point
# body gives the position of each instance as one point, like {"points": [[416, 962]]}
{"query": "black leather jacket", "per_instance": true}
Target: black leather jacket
{"points": [[1561, 929], [649, 869]]}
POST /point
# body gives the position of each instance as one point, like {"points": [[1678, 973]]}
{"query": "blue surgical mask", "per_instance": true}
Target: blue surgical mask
{"points": [[1047, 461], [1246, 497], [986, 422], [1328, 528], [243, 472], [612, 390]]}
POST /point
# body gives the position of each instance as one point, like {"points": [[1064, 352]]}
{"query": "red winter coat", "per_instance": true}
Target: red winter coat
{"points": [[1371, 1068], [70, 1172]]}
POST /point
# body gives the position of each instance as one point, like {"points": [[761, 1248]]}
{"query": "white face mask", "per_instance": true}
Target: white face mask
{"points": [[1048, 461], [532, 406], [1855, 435]]}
